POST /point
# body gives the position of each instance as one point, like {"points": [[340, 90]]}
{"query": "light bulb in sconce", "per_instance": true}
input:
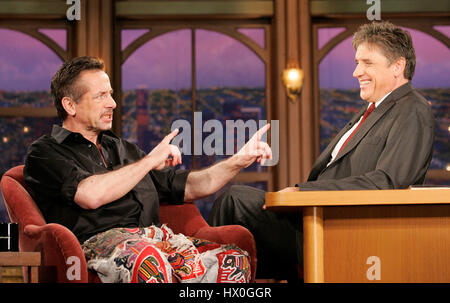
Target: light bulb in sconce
{"points": [[293, 81]]}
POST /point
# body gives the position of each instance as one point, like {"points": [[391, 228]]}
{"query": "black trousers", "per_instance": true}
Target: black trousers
{"points": [[278, 236]]}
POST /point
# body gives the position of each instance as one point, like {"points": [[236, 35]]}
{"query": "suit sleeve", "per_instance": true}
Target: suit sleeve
{"points": [[403, 161]]}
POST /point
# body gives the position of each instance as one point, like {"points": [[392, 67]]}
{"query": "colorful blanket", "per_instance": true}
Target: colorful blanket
{"points": [[157, 255]]}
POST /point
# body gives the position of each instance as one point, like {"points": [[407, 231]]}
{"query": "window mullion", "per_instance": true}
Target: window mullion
{"points": [[194, 94]]}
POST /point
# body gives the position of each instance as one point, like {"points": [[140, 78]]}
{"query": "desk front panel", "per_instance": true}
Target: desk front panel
{"points": [[387, 244]]}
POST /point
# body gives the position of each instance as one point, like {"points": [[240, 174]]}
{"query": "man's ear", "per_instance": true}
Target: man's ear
{"points": [[399, 67], [69, 106]]}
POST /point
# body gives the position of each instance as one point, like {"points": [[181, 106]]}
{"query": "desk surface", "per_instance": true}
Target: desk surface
{"points": [[32, 260], [358, 197], [9, 258]]}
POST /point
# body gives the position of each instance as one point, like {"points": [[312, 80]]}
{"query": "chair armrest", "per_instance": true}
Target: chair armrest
{"points": [[231, 234], [61, 252], [184, 218]]}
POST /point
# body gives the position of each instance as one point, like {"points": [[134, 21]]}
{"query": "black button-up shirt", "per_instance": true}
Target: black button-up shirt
{"points": [[56, 164]]}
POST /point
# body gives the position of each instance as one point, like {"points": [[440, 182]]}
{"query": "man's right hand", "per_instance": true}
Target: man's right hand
{"points": [[166, 154], [289, 190]]}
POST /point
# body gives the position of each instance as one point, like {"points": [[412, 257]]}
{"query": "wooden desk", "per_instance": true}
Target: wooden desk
{"points": [[372, 235], [32, 260]]}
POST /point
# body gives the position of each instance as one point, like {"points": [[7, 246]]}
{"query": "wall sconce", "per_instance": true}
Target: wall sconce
{"points": [[293, 81]]}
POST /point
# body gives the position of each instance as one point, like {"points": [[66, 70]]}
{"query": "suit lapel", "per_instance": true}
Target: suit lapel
{"points": [[325, 156], [327, 152], [374, 117], [364, 128]]}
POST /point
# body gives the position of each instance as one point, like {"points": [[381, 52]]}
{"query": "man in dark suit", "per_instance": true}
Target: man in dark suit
{"points": [[387, 145]]}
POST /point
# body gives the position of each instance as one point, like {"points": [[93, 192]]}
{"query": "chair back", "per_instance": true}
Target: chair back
{"points": [[19, 204]]}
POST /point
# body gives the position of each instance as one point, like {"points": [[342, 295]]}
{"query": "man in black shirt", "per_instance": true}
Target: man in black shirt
{"points": [[57, 164], [84, 177]]}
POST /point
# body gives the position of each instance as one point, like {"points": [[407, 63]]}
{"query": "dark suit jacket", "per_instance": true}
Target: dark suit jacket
{"points": [[392, 148]]}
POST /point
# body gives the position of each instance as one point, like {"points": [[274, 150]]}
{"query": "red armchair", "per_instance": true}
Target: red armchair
{"points": [[57, 243]]}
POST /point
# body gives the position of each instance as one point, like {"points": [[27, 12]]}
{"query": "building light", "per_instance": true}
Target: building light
{"points": [[5, 139], [26, 129]]}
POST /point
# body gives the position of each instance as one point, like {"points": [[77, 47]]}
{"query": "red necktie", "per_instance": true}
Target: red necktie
{"points": [[366, 114]]}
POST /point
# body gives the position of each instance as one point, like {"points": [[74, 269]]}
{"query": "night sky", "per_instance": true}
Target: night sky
{"points": [[165, 62]]}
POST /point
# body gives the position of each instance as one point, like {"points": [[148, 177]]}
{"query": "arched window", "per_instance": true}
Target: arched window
{"points": [[28, 60], [339, 91], [204, 76], [156, 88]]}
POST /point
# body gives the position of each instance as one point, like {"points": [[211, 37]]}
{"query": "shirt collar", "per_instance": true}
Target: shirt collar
{"points": [[60, 133], [381, 100]]}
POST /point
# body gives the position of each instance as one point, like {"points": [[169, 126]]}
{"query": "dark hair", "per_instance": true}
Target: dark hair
{"points": [[393, 41], [64, 81]]}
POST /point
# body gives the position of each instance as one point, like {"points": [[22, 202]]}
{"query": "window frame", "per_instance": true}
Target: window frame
{"points": [[226, 27], [31, 28]]}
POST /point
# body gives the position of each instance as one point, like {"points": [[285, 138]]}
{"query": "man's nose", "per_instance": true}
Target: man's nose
{"points": [[358, 71], [111, 102]]}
